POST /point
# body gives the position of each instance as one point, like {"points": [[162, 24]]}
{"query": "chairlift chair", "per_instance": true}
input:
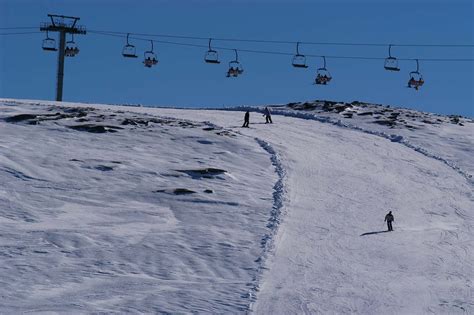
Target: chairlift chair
{"points": [[235, 67], [323, 76], [416, 78], [71, 49], [150, 57], [49, 44], [391, 63], [211, 55], [299, 60], [129, 50]]}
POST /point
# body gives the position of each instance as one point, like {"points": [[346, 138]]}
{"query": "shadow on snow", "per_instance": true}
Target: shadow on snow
{"points": [[376, 232]]}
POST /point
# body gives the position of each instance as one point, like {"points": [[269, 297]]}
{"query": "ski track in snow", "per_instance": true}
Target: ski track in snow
{"points": [[337, 122], [275, 218], [310, 264]]}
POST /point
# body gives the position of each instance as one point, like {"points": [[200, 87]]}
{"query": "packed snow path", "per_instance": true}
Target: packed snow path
{"points": [[340, 184], [330, 253]]}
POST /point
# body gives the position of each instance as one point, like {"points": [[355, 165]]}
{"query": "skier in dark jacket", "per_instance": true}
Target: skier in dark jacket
{"points": [[268, 116], [389, 218], [246, 120]]}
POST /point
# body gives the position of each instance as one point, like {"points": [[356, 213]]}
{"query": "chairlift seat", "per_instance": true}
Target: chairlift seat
{"points": [[129, 51], [299, 61], [416, 80], [49, 44], [235, 69], [212, 57], [150, 59], [323, 76], [391, 64], [322, 80], [71, 49]]}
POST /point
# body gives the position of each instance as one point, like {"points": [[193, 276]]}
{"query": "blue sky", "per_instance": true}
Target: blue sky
{"points": [[100, 74]]}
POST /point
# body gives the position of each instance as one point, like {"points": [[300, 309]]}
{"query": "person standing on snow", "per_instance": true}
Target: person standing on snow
{"points": [[246, 120], [389, 218], [268, 116]]}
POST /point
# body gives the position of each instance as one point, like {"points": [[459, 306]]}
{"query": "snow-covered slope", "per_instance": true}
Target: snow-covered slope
{"points": [[101, 222], [136, 216]]}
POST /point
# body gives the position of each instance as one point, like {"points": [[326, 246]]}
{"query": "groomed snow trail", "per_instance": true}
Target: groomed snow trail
{"points": [[331, 254], [340, 185]]}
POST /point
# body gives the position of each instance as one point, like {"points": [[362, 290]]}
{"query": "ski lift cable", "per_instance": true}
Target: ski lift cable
{"points": [[263, 41], [19, 28], [20, 33], [285, 53]]}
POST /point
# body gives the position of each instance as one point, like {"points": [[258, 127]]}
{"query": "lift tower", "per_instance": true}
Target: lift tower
{"points": [[64, 25]]}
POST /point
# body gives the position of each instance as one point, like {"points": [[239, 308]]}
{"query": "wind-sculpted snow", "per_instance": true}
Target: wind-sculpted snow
{"points": [[162, 215], [292, 223]]}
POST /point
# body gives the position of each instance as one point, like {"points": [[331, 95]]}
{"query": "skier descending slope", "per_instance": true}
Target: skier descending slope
{"points": [[389, 218]]}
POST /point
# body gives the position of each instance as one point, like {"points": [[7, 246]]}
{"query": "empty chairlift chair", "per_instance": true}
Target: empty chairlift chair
{"points": [[416, 78], [235, 67], [71, 48], [299, 60], [150, 59], [323, 77], [129, 50], [49, 44], [211, 55], [391, 63]]}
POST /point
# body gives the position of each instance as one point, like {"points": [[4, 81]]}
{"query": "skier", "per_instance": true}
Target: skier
{"points": [[246, 120], [268, 116], [389, 218]]}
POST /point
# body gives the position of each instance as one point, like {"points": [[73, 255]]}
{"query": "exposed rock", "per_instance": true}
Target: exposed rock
{"points": [[95, 128], [21, 118], [203, 173]]}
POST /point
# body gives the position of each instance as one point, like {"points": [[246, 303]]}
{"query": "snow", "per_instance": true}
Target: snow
{"points": [[92, 222]]}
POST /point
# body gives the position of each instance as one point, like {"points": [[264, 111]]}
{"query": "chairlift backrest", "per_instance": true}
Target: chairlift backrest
{"points": [[415, 75], [211, 55], [49, 44], [71, 48], [129, 50], [299, 60], [150, 57], [323, 71], [236, 65], [391, 63]]}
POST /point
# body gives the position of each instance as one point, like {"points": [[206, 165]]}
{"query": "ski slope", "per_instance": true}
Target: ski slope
{"points": [[93, 222]]}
